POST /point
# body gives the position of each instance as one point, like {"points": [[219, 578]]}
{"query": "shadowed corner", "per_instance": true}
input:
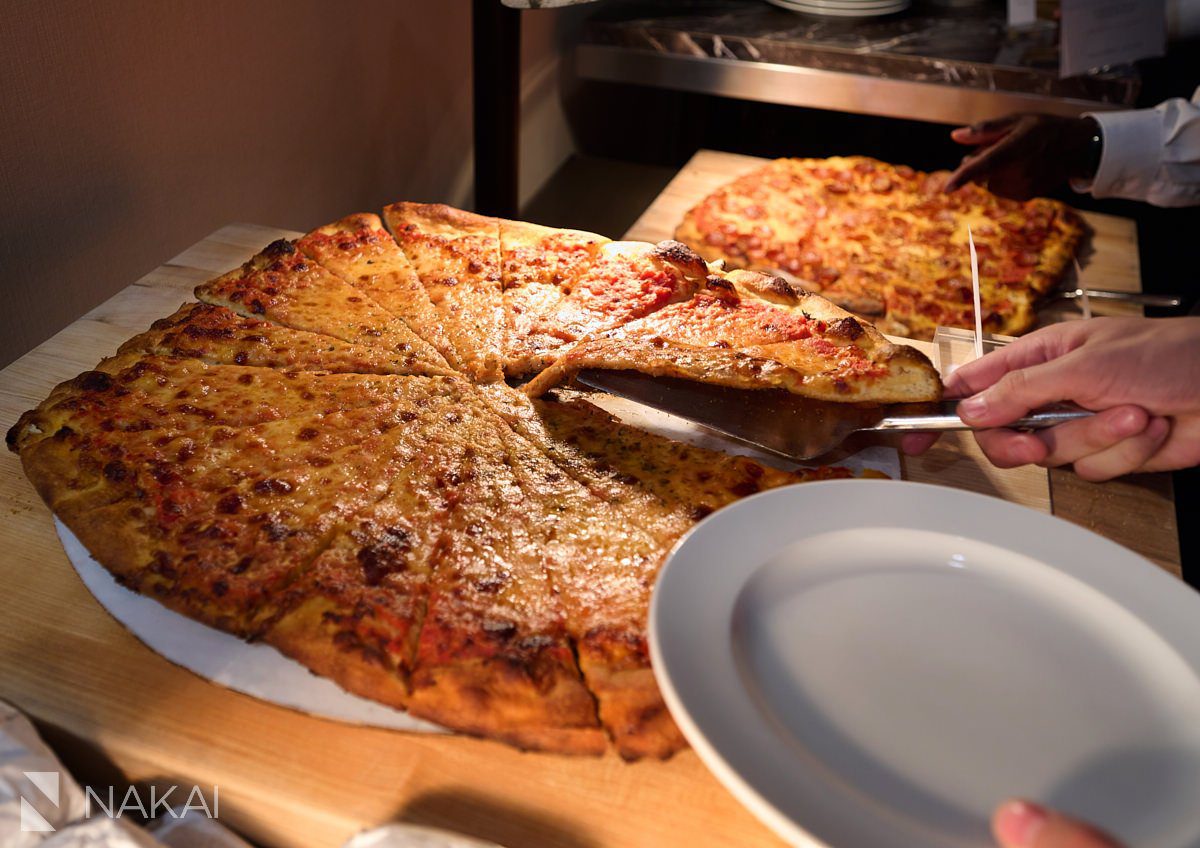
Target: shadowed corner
{"points": [[491, 819]]}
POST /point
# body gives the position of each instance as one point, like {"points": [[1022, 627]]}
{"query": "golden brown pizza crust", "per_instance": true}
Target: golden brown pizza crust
{"points": [[631, 705], [491, 698], [293, 460], [308, 634]]}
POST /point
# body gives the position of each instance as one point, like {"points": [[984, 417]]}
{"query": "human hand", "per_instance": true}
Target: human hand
{"points": [[1024, 155], [1141, 376], [1020, 824]]}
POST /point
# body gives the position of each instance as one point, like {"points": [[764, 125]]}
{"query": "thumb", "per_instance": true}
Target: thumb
{"points": [[1021, 824], [1017, 392]]}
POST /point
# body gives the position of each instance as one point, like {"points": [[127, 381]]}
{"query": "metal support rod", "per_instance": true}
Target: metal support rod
{"points": [[496, 75]]}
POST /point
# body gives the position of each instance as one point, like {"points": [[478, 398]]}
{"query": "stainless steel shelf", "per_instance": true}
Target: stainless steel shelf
{"points": [[820, 89]]}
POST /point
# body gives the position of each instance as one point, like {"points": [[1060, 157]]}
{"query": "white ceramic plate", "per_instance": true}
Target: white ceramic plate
{"points": [[843, 4], [876, 663], [848, 10]]}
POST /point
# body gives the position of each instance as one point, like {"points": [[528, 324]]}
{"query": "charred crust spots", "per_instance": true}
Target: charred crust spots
{"points": [[500, 629], [745, 488], [408, 416], [241, 566], [279, 248], [240, 358], [847, 328], [245, 379], [493, 583], [782, 287], [163, 475], [387, 553], [720, 283], [94, 381], [276, 531], [474, 266], [195, 331], [220, 588], [350, 641], [318, 460], [188, 409], [230, 504], [160, 564], [273, 486], [701, 511], [307, 434], [678, 253], [115, 471], [257, 307]]}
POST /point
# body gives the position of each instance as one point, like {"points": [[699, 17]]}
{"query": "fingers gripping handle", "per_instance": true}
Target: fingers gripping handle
{"points": [[948, 419]]}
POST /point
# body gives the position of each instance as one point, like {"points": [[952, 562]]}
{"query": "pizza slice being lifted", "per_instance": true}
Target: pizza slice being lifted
{"points": [[749, 331], [563, 285]]}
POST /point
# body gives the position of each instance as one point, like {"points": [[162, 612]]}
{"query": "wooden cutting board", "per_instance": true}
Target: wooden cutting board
{"points": [[116, 712], [1109, 261]]}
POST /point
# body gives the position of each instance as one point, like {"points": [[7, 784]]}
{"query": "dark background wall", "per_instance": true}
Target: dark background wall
{"points": [[130, 129]]}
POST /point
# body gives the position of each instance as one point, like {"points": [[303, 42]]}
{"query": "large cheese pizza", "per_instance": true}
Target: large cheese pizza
{"points": [[324, 453], [888, 242]]}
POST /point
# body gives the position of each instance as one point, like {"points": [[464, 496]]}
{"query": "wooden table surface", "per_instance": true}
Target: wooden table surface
{"points": [[118, 712]]}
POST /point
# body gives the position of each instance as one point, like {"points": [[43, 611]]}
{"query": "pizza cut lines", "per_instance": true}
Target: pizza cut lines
{"points": [[456, 255], [220, 336], [359, 250], [284, 286], [298, 459]]}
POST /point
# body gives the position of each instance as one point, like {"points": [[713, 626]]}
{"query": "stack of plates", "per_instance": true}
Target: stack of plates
{"points": [[843, 8]]}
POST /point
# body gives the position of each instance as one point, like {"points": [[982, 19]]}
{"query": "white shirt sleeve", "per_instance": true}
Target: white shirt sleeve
{"points": [[1150, 154]]}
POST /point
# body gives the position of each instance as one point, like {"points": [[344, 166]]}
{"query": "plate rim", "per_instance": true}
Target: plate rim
{"points": [[1133, 569]]}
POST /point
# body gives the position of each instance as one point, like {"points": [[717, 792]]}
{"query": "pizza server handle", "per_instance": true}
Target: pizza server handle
{"points": [[1166, 301], [948, 419]]}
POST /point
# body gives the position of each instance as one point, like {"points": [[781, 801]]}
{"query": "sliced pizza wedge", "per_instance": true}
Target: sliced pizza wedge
{"points": [[622, 281], [217, 524], [601, 569], [494, 654], [538, 265], [284, 286], [456, 255], [360, 251], [746, 330], [220, 336], [131, 394]]}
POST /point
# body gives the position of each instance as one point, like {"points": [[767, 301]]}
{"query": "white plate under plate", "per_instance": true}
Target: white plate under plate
{"points": [[876, 663]]}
